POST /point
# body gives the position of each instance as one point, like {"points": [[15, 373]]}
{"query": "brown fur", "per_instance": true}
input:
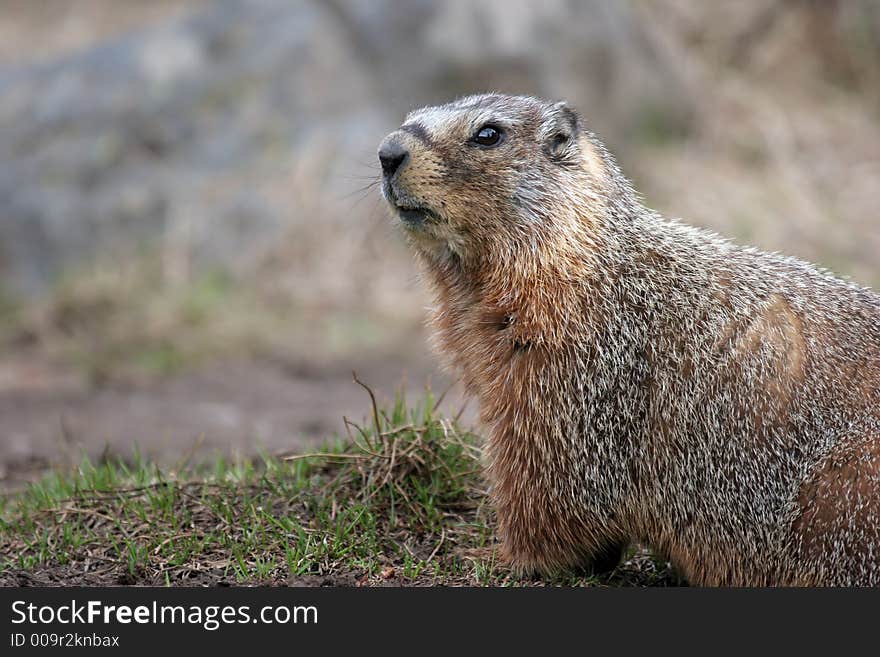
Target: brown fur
{"points": [[844, 490], [641, 380]]}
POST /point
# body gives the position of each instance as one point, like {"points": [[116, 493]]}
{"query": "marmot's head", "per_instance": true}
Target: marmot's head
{"points": [[510, 172]]}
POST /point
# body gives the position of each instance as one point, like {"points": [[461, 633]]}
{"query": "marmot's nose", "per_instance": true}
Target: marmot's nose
{"points": [[392, 154]]}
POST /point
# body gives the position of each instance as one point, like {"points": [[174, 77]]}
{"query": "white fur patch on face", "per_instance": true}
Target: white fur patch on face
{"points": [[466, 115], [435, 120]]}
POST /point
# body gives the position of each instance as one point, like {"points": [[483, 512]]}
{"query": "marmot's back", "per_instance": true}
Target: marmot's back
{"points": [[641, 380]]}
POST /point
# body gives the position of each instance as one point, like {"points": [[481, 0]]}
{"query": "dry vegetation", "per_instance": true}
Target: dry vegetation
{"points": [[784, 151]]}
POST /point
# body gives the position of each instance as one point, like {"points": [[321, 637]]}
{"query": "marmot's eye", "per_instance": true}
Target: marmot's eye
{"points": [[488, 135]]}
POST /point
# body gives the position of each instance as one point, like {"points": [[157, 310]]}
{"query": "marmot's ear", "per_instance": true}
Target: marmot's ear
{"points": [[561, 128]]}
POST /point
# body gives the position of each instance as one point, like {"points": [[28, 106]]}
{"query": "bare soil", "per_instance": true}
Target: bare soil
{"points": [[50, 417]]}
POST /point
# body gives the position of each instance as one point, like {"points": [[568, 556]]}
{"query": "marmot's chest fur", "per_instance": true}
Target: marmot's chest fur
{"points": [[640, 380]]}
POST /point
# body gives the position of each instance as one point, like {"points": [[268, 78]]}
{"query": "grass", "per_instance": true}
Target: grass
{"points": [[401, 501]]}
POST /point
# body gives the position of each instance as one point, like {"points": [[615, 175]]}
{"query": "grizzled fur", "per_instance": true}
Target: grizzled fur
{"points": [[641, 380]]}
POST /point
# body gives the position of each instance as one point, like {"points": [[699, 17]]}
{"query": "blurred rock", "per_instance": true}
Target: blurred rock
{"points": [[216, 135]]}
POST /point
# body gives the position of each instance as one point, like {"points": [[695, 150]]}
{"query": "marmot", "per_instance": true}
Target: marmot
{"points": [[641, 380]]}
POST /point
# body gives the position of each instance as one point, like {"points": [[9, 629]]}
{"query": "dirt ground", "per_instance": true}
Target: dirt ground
{"points": [[50, 417]]}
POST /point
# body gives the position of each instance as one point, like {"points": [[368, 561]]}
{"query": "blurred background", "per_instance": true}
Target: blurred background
{"points": [[194, 257]]}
